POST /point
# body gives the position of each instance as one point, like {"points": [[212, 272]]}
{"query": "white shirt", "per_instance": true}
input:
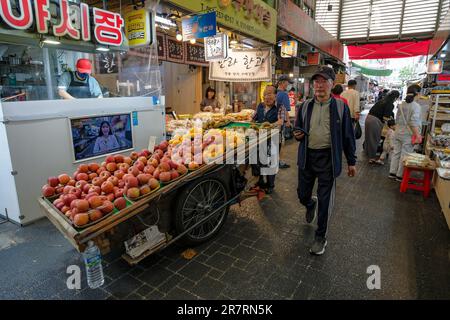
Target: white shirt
{"points": [[352, 97]]}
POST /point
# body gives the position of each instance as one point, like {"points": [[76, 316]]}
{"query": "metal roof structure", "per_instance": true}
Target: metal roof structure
{"points": [[372, 21]]}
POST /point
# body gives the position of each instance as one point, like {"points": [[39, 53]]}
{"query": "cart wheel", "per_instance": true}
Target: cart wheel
{"points": [[195, 203]]}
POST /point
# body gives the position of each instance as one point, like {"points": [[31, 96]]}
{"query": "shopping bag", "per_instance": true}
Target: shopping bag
{"points": [[358, 130]]}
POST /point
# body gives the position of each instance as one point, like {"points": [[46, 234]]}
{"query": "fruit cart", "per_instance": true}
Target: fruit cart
{"points": [[191, 210]]}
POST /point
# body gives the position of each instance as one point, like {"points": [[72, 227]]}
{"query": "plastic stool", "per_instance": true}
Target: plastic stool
{"points": [[423, 184]]}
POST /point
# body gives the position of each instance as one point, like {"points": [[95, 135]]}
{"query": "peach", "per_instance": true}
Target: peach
{"points": [[81, 219], [133, 193], [120, 203], [64, 178], [93, 167], [95, 215]]}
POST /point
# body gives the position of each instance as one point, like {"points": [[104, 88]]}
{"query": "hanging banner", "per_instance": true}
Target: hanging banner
{"points": [[199, 26], [216, 47], [252, 17], [289, 49], [138, 28], [435, 66], [175, 50], [195, 54], [243, 66], [107, 63], [162, 48]]}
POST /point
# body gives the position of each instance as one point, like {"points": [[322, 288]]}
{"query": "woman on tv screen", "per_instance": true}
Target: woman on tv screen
{"points": [[106, 140]]}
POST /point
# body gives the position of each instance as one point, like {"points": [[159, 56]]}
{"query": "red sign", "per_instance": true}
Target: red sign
{"points": [[107, 25], [313, 58]]}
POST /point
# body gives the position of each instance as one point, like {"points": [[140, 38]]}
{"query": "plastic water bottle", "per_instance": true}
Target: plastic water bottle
{"points": [[93, 262]]}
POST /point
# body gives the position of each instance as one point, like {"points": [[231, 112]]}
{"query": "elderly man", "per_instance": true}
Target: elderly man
{"points": [[324, 129]]}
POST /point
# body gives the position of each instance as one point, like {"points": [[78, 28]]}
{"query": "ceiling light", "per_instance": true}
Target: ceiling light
{"points": [[102, 49], [48, 41], [193, 41], [179, 36], [291, 75], [443, 55], [165, 21]]}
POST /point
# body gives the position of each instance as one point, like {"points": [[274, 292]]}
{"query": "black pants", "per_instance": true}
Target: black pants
{"points": [[319, 166]]}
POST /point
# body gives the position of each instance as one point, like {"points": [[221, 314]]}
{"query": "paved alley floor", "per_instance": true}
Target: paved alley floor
{"points": [[262, 251]]}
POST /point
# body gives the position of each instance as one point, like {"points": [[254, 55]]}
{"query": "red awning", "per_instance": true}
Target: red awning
{"points": [[389, 50]]}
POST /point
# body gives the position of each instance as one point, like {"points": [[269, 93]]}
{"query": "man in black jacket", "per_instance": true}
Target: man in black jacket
{"points": [[329, 132]]}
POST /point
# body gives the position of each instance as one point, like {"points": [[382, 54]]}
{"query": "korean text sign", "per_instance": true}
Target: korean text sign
{"points": [[73, 21], [138, 28], [199, 26], [243, 66], [216, 47]]}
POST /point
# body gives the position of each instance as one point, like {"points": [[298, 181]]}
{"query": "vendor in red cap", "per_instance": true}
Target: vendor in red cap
{"points": [[79, 84]]}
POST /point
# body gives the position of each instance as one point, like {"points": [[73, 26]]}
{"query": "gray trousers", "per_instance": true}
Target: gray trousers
{"points": [[372, 130], [402, 146]]}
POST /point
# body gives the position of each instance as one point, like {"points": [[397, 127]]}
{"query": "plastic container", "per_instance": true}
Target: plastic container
{"points": [[93, 263]]}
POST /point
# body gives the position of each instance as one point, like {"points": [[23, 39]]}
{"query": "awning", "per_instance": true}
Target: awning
{"points": [[373, 72], [389, 50]]}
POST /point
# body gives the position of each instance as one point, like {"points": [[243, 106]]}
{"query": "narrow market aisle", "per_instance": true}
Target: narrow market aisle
{"points": [[262, 251]]}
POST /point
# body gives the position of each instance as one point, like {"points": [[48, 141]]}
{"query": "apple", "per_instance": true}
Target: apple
{"points": [[64, 209], [118, 193], [165, 159], [127, 160], [193, 165], [143, 178], [48, 191], [143, 159], [93, 167], [82, 176], [81, 219], [173, 165], [139, 165], [92, 176], [100, 170], [132, 182], [164, 167], [174, 174], [153, 183], [145, 189], [110, 159], [133, 193], [110, 196], [71, 182], [126, 176], [107, 187], [149, 169], [120, 203], [134, 171], [59, 189], [165, 176], [160, 153], [134, 155], [95, 215], [67, 189], [182, 169], [95, 189], [113, 180], [83, 168], [80, 184], [86, 188], [105, 175], [77, 192], [69, 198], [82, 205], [107, 207], [121, 184], [118, 174], [97, 181], [156, 173], [91, 195], [64, 178], [154, 162], [124, 167], [111, 167], [53, 181], [118, 158]]}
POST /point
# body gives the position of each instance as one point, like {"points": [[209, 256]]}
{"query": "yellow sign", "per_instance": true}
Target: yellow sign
{"points": [[255, 18], [138, 28]]}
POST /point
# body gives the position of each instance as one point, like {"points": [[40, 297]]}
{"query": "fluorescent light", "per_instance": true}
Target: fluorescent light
{"points": [[192, 41], [48, 41], [102, 49], [443, 55], [246, 45], [165, 21], [162, 26]]}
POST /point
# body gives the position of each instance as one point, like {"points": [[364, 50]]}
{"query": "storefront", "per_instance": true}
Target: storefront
{"points": [[246, 29], [41, 133]]}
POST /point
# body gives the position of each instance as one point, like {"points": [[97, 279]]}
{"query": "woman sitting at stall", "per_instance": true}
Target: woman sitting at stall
{"points": [[210, 103], [268, 111], [381, 112]]}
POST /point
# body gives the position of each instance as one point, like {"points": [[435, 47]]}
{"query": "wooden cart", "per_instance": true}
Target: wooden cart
{"points": [[192, 209]]}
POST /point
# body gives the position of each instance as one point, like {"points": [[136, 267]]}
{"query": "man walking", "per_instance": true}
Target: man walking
{"points": [[283, 100], [326, 132], [352, 96]]}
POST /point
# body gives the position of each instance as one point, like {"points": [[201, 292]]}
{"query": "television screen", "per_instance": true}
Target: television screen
{"points": [[96, 136]]}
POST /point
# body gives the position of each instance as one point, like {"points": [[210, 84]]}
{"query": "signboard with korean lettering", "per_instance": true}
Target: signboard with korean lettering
{"points": [[195, 54], [63, 19], [138, 28], [175, 50], [216, 47], [107, 63], [199, 26], [162, 47], [243, 66], [289, 49], [435, 66], [253, 17]]}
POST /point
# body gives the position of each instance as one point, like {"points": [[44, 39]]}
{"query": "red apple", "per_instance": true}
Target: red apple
{"points": [[164, 167], [134, 155], [95, 189], [173, 165], [92, 176], [93, 167], [182, 169], [133, 193], [105, 175], [48, 191], [71, 182], [156, 173], [118, 193], [113, 180], [139, 165], [59, 189], [69, 198], [121, 184], [118, 174], [174, 174], [110, 159], [80, 184], [111, 167], [128, 160], [77, 192], [53, 181], [64, 209], [153, 183], [145, 189], [110, 196], [134, 171], [143, 178], [143, 159], [149, 169], [154, 162], [83, 168], [120, 203], [86, 188], [107, 207], [63, 178], [165, 176], [107, 187], [95, 215], [97, 181], [132, 182], [82, 176], [95, 201], [118, 158], [82, 205]]}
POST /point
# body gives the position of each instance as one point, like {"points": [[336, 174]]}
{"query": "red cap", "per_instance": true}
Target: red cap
{"points": [[84, 66]]}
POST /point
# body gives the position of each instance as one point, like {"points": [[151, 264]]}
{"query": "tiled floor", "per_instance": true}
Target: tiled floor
{"points": [[262, 251]]}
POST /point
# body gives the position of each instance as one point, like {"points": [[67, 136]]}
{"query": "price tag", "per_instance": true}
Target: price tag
{"points": [[151, 143]]}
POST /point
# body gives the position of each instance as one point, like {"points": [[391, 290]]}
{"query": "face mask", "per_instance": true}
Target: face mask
{"points": [[83, 75]]}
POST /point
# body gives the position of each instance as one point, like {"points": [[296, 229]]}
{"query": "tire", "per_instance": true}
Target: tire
{"points": [[197, 201]]}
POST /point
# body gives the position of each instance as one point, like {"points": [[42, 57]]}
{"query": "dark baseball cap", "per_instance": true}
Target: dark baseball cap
{"points": [[285, 78], [325, 72]]}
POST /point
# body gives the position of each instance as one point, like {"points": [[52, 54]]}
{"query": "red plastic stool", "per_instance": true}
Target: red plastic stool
{"points": [[421, 184]]}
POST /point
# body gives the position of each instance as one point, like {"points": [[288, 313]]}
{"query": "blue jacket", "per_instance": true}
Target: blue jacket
{"points": [[271, 115], [342, 136]]}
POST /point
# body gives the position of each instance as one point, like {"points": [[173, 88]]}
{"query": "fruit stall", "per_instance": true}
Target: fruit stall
{"points": [[171, 193]]}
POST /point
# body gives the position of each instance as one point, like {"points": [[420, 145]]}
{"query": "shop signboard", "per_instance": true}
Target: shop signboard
{"points": [[199, 26], [107, 63], [253, 17], [313, 58], [161, 44], [138, 28], [216, 47], [289, 49], [435, 66], [248, 65], [195, 54], [175, 50], [105, 26]]}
